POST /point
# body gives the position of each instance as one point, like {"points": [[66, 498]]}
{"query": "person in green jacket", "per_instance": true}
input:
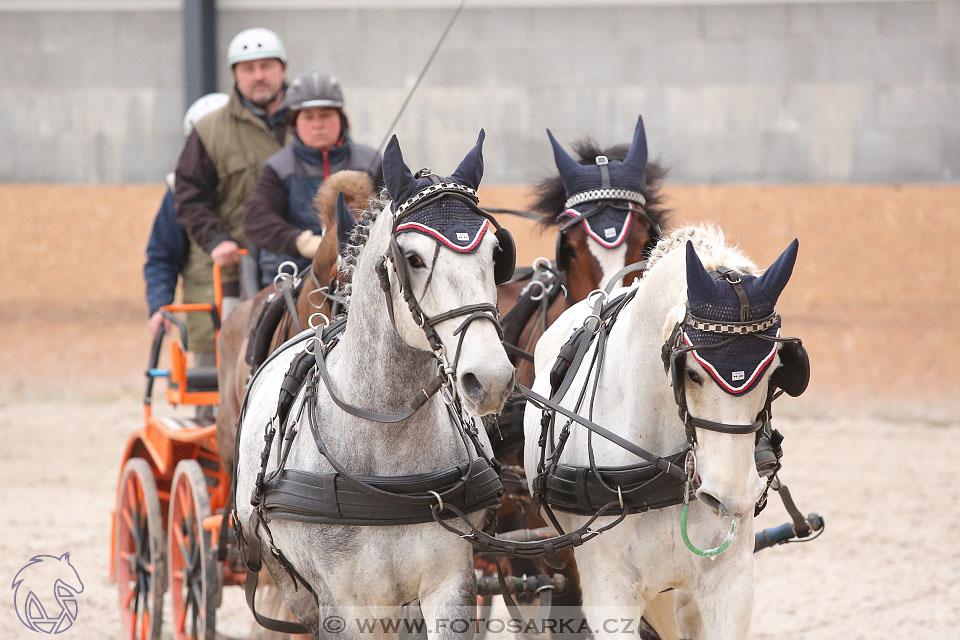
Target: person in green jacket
{"points": [[218, 167]]}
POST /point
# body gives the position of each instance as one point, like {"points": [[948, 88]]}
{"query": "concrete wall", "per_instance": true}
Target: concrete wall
{"points": [[755, 92]]}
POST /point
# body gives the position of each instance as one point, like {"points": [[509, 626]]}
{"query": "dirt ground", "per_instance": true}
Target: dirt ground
{"points": [[886, 566], [870, 446]]}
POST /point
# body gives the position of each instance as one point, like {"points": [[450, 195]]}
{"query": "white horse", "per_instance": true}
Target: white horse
{"points": [[626, 567], [380, 364]]}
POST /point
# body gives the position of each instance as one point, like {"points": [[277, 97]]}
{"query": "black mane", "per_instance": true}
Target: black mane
{"points": [[550, 195]]}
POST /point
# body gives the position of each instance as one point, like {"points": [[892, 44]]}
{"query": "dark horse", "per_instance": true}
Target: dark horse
{"points": [[607, 210]]}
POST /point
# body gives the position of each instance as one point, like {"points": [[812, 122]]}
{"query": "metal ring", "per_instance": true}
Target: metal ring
{"points": [[439, 499], [282, 268], [309, 344], [449, 391], [326, 320], [310, 295], [690, 464], [540, 295], [599, 292], [599, 321], [541, 261]]}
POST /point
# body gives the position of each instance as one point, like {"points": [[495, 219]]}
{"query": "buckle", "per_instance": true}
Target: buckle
{"points": [[601, 160]]}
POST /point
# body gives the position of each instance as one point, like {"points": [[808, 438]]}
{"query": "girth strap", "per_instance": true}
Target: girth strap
{"points": [[331, 499]]}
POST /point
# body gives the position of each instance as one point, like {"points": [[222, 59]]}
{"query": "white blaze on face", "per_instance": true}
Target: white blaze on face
{"points": [[610, 260]]}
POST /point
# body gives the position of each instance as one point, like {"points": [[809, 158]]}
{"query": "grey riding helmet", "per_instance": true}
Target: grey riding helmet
{"points": [[314, 89]]}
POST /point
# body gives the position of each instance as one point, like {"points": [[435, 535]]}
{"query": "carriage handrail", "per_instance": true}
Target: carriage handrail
{"points": [[786, 532]]}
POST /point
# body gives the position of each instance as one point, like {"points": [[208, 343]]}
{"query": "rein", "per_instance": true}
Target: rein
{"points": [[472, 488], [596, 328]]}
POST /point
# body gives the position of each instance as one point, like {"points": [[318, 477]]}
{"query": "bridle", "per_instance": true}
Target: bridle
{"points": [[445, 380], [598, 200], [674, 353]]}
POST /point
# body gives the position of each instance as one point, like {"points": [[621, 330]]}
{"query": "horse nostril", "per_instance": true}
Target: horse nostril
{"points": [[472, 387]]}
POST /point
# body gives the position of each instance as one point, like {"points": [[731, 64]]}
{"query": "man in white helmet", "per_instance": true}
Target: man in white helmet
{"points": [[219, 165]]}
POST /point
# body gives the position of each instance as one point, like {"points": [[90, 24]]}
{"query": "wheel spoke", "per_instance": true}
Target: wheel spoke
{"points": [[127, 518], [184, 498]]}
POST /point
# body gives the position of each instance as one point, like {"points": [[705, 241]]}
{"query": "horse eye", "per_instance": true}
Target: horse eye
{"points": [[694, 376], [415, 261]]}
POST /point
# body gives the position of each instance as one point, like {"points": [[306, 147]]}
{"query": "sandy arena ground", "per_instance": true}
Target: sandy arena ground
{"points": [[871, 446], [886, 567]]}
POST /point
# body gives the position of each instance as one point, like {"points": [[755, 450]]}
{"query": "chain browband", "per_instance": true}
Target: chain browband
{"points": [[731, 328], [605, 194]]}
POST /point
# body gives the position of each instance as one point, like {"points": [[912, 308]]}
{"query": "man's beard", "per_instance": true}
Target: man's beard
{"points": [[263, 104]]}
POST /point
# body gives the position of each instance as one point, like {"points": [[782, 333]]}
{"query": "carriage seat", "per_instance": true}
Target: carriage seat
{"points": [[199, 379]]}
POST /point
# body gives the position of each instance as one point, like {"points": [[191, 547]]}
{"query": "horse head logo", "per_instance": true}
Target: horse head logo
{"points": [[45, 593]]}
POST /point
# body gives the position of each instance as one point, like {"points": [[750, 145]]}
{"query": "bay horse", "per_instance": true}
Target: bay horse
{"points": [[235, 358], [705, 313], [587, 255], [422, 296]]}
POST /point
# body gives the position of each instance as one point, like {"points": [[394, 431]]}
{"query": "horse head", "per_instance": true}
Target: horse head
{"points": [[447, 264], [726, 353], [606, 204]]}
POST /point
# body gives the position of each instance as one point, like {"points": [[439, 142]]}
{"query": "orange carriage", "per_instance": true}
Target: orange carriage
{"points": [[171, 496]]}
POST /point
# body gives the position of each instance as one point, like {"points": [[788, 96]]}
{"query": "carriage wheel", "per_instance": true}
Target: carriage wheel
{"points": [[139, 553], [193, 577]]}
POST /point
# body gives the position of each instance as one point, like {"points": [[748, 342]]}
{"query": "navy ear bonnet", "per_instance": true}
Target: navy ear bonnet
{"points": [[591, 188], [450, 221], [739, 366]]}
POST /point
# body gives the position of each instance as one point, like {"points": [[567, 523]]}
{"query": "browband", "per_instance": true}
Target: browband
{"points": [[604, 194], [732, 328]]}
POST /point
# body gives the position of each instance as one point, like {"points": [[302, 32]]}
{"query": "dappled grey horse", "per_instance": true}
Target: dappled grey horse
{"points": [[383, 430]]}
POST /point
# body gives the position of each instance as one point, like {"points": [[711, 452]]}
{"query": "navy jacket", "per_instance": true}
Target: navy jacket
{"points": [[280, 206], [166, 254]]}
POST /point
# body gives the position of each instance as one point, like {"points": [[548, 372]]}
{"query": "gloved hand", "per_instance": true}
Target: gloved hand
{"points": [[307, 243]]}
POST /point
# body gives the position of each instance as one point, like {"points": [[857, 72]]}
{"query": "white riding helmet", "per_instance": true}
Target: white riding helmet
{"points": [[201, 107], [255, 44]]}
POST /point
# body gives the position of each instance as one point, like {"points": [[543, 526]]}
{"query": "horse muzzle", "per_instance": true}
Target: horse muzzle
{"points": [[485, 389]]}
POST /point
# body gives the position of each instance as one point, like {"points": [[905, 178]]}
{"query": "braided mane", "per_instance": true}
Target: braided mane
{"points": [[711, 246], [359, 237], [550, 194]]}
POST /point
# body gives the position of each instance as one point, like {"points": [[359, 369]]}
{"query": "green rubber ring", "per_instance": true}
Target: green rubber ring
{"points": [[708, 552]]}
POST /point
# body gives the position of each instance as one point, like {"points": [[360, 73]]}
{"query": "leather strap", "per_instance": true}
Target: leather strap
{"points": [[800, 525], [620, 275], [432, 387], [254, 563], [660, 463], [287, 290]]}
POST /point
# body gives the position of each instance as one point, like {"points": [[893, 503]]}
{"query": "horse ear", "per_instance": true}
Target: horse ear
{"points": [[65, 556], [396, 176], [700, 286], [345, 223], [775, 278], [565, 164], [638, 150], [470, 171]]}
